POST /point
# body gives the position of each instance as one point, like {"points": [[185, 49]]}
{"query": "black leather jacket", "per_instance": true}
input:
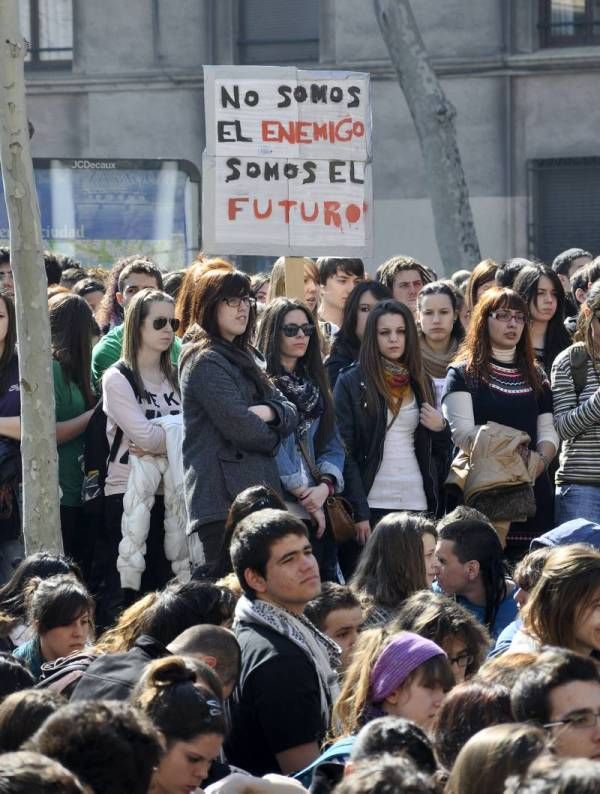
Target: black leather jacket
{"points": [[364, 439]]}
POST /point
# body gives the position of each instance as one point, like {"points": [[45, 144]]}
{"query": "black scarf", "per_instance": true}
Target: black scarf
{"points": [[305, 395]]}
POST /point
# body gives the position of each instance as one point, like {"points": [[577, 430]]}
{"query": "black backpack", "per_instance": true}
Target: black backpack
{"points": [[97, 454], [578, 358]]}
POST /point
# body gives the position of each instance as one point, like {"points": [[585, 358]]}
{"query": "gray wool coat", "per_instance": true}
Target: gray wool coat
{"points": [[226, 448]]}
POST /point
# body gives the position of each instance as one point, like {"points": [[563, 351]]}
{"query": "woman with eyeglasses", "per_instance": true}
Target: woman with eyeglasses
{"points": [[576, 394], [149, 330], [495, 379], [346, 344], [396, 441], [233, 417], [289, 340]]}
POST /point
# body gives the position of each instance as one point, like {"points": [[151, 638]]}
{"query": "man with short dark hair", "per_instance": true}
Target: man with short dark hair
{"points": [[561, 692], [405, 277], [139, 274], [568, 262], [470, 566], [113, 676], [337, 277], [337, 612], [281, 706]]}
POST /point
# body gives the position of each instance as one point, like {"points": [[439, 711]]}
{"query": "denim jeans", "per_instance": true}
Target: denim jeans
{"points": [[574, 500]]}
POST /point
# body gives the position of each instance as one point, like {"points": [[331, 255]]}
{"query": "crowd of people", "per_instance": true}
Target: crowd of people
{"points": [[348, 540]]}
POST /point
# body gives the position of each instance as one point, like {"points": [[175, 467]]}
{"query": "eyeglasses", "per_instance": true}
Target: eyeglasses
{"points": [[235, 303], [463, 660], [292, 329], [159, 323], [584, 719], [504, 316]]}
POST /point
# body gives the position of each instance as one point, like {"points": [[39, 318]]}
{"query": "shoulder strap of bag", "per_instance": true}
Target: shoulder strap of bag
{"points": [[314, 471], [578, 357], [127, 373]]}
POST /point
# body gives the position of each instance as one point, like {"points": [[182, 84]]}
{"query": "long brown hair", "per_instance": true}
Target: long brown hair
{"points": [[568, 582], [187, 291], [483, 273], [492, 755], [392, 565], [10, 342], [476, 350], [71, 332], [136, 313], [371, 363], [585, 327], [311, 365]]}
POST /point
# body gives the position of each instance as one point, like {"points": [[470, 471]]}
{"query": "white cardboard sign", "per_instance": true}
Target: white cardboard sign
{"points": [[286, 169]]}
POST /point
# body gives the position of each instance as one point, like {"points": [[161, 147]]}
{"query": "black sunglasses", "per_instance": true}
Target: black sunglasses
{"points": [[291, 329], [159, 323]]}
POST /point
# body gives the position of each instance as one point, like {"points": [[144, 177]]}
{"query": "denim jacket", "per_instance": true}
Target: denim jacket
{"points": [[293, 469]]}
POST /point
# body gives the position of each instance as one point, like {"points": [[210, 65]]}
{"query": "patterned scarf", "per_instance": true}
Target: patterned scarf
{"points": [[323, 653], [397, 384], [305, 395]]}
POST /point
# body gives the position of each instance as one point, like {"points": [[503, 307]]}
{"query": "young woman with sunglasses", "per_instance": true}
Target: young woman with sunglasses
{"points": [[234, 418], [495, 379], [149, 330], [396, 442], [346, 344], [289, 340]]}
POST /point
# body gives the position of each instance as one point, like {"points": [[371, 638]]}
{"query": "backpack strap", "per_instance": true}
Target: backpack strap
{"points": [[578, 358], [127, 373]]}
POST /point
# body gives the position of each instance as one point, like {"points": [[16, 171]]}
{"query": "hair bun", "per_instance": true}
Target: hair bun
{"points": [[172, 670]]}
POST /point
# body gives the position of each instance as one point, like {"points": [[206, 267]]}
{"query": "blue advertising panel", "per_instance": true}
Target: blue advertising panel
{"points": [[99, 210]]}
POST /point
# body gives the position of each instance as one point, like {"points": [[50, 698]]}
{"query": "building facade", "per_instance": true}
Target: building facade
{"points": [[124, 80]]}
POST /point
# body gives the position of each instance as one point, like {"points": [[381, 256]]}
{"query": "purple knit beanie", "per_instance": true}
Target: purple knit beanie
{"points": [[403, 654]]}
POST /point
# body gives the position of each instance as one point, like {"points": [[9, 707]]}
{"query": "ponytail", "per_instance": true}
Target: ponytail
{"points": [[179, 706]]}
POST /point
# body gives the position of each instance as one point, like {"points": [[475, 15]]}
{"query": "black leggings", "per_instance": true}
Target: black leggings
{"points": [[79, 538], [158, 569]]}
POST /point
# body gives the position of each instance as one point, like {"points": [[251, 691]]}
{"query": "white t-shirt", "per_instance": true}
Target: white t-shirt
{"points": [[398, 484]]}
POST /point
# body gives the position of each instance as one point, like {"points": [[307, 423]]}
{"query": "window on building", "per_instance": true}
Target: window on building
{"points": [[569, 22], [278, 31], [48, 27], [564, 207]]}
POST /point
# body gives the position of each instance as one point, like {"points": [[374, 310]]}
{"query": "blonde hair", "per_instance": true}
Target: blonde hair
{"points": [[354, 695], [130, 625], [277, 282]]}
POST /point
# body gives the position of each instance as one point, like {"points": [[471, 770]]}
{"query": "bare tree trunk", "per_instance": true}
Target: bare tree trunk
{"points": [[433, 116], [41, 518]]}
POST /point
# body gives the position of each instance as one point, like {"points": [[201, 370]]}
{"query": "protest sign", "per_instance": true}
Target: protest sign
{"points": [[287, 164]]}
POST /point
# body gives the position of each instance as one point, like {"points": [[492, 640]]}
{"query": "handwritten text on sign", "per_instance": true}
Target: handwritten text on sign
{"points": [[286, 166]]}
